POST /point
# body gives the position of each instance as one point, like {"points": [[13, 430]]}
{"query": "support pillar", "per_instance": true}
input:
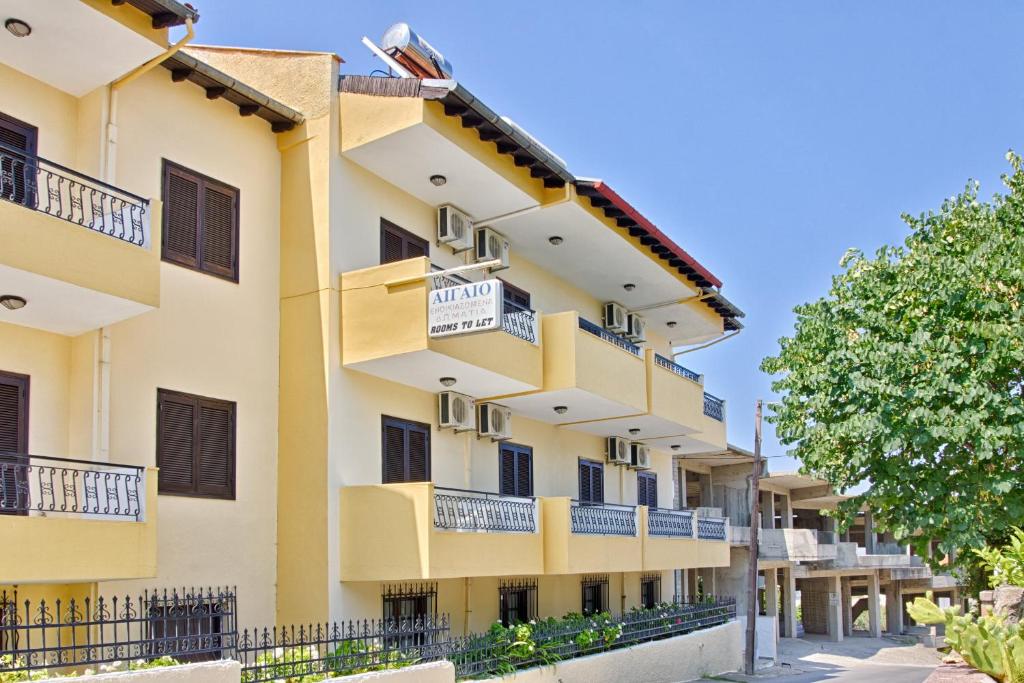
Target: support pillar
{"points": [[874, 606], [847, 600], [894, 608], [771, 592], [767, 510], [787, 511], [788, 603], [835, 609], [869, 533]]}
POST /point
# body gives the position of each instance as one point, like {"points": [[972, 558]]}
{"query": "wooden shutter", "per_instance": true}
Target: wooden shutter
{"points": [[507, 483], [585, 491], [201, 222], [405, 451], [524, 473], [181, 216], [220, 230], [195, 445], [176, 442], [397, 244], [519, 298], [216, 449], [20, 136], [647, 489], [591, 481], [393, 451], [516, 465], [13, 440], [419, 453]]}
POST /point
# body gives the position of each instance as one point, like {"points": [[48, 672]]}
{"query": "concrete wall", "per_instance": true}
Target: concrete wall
{"points": [[223, 671], [434, 672]]}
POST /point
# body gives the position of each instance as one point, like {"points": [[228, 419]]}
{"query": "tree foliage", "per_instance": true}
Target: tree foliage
{"points": [[908, 374]]}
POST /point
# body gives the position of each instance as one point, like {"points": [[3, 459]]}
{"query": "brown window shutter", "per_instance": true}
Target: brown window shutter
{"points": [[397, 244], [181, 216], [597, 482], [586, 493], [176, 438], [216, 452], [219, 249], [507, 483], [13, 440], [393, 451], [405, 450], [524, 483], [419, 454], [17, 171]]}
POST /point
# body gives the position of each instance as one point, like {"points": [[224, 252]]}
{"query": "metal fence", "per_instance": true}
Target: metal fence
{"points": [[714, 407], [711, 528], [519, 321], [678, 369], [602, 519], [35, 484], [670, 523], [461, 510], [42, 185], [190, 625], [609, 337]]}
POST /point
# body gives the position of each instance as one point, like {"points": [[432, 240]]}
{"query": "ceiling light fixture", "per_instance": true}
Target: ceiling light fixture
{"points": [[561, 410], [555, 240], [447, 381], [676, 447], [671, 323], [629, 286], [18, 28], [438, 180], [12, 302], [634, 431]]}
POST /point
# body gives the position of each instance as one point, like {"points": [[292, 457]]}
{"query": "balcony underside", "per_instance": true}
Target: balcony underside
{"points": [[582, 407], [422, 369], [651, 427]]}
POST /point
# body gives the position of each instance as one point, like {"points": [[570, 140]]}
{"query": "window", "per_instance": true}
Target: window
{"points": [[517, 602], [13, 443], [647, 489], [405, 450], [18, 140], [200, 222], [650, 590], [591, 481], [518, 299], [413, 609], [594, 591], [516, 470], [398, 244], [178, 630], [195, 446]]}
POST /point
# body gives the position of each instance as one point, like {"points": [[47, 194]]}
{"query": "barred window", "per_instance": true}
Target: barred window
{"points": [[179, 629], [594, 598], [650, 590], [517, 601], [405, 605]]}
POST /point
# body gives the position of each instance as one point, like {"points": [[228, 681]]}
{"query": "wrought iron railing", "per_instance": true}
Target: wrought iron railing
{"points": [[41, 485], [669, 522], [678, 369], [602, 519], [714, 407], [42, 185], [461, 510], [609, 337], [193, 625], [711, 528], [517, 320]]}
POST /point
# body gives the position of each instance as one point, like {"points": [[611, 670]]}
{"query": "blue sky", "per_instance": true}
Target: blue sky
{"points": [[765, 138]]}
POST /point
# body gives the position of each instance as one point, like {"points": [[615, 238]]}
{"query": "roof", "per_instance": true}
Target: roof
{"points": [[732, 455], [218, 84], [164, 12]]}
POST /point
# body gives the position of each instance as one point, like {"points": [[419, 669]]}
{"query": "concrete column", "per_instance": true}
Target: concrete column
{"points": [[874, 606], [788, 603], [894, 608], [787, 511], [835, 608], [869, 533], [767, 510], [771, 592], [847, 600]]}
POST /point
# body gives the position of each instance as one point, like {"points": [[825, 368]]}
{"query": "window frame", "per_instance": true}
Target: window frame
{"points": [[598, 584], [407, 237], [398, 421], [516, 450], [236, 229], [654, 581], [232, 407], [525, 590]]}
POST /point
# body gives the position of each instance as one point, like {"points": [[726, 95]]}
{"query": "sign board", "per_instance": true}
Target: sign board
{"points": [[464, 309]]}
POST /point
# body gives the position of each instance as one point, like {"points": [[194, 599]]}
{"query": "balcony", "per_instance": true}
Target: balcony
{"points": [[673, 540], [394, 532], [76, 521], [795, 545], [592, 376], [707, 427], [582, 537], [80, 251], [385, 333]]}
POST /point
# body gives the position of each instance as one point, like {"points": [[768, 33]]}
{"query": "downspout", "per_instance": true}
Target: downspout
{"points": [[101, 428], [530, 209], [108, 156], [469, 606]]}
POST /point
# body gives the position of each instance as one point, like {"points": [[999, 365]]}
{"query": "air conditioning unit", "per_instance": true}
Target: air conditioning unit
{"points": [[491, 246], [636, 328], [454, 228], [615, 317], [455, 411], [640, 456], [618, 450], [494, 421]]}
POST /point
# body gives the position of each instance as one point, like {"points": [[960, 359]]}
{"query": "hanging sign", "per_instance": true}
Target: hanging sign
{"points": [[463, 309]]}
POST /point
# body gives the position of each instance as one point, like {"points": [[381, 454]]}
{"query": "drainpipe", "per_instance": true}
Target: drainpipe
{"points": [[530, 209], [101, 396], [467, 461], [469, 607], [107, 152]]}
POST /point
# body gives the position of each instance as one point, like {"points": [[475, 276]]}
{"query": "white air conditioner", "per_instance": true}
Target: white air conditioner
{"points": [[618, 450], [455, 411], [640, 456], [491, 246], [615, 317], [494, 421], [454, 228], [636, 328]]}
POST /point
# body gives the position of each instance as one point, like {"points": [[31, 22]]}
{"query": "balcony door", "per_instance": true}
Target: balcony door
{"points": [[405, 450], [13, 443], [17, 151]]}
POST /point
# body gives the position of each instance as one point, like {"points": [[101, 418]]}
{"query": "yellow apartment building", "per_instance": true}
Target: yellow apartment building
{"points": [[358, 346]]}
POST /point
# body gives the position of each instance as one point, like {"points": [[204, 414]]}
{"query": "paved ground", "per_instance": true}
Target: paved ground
{"points": [[855, 660]]}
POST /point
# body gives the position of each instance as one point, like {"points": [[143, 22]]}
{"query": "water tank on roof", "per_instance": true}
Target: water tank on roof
{"points": [[414, 53]]}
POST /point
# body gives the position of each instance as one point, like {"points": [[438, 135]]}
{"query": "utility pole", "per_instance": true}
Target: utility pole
{"points": [[755, 523]]}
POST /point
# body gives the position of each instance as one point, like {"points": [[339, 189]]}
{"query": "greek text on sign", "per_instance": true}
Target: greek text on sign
{"points": [[464, 309]]}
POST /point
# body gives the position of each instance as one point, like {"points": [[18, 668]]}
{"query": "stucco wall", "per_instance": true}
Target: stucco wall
{"points": [[223, 671], [434, 672]]}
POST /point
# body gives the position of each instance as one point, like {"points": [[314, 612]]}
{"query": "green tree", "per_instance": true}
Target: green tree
{"points": [[908, 375]]}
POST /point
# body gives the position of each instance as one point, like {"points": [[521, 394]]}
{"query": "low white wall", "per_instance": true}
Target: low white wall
{"points": [[222, 671], [710, 652], [434, 672]]}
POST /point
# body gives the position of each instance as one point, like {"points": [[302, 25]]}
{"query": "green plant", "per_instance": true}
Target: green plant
{"points": [[8, 662], [1005, 564], [987, 643]]}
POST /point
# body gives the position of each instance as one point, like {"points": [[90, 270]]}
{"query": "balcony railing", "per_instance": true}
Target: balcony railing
{"points": [[40, 485], [670, 523], [461, 510], [678, 369], [609, 337], [711, 528], [826, 537], [602, 519], [42, 185], [519, 321], [714, 407]]}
